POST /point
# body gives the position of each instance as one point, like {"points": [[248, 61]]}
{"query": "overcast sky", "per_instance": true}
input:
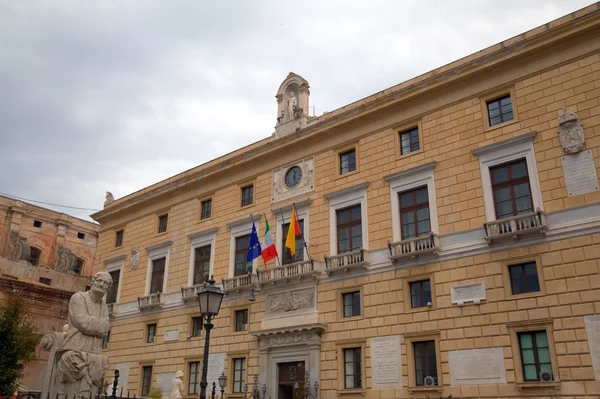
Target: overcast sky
{"points": [[102, 95]]}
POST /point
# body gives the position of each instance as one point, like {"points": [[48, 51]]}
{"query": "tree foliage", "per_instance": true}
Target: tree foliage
{"points": [[18, 340]]}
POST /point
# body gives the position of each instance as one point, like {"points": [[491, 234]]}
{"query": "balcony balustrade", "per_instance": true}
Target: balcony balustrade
{"points": [[151, 301], [191, 293], [238, 283], [413, 247], [346, 261], [288, 273], [515, 227]]}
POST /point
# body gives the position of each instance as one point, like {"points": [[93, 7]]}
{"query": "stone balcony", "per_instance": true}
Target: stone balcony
{"points": [[414, 247], [156, 300], [346, 262], [239, 283], [191, 293], [290, 273], [515, 227]]}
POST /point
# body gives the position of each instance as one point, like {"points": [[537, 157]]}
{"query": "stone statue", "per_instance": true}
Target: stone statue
{"points": [[78, 367], [18, 248], [570, 131], [177, 385], [108, 198], [64, 260], [292, 105]]}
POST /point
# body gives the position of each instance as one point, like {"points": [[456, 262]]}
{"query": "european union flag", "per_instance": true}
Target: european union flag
{"points": [[253, 248]]}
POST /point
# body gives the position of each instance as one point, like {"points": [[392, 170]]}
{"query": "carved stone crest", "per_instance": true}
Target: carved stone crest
{"points": [[135, 257], [570, 131], [291, 300], [64, 260]]}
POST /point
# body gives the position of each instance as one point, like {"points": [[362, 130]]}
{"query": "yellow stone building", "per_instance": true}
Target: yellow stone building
{"points": [[452, 225]]}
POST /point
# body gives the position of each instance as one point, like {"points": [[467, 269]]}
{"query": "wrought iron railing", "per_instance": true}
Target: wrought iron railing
{"points": [[296, 269], [515, 226], [345, 260], [413, 247]]}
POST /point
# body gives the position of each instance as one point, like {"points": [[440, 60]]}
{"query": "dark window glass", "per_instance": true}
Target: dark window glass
{"points": [[34, 256], [535, 354], [119, 238], [352, 368], [420, 293], [349, 229], [414, 213], [81, 236], [287, 258], [241, 249], [241, 320], [425, 362], [37, 223], [409, 141], [158, 275], [106, 340], [347, 161], [162, 223], [196, 326], [206, 209], [194, 381], [111, 297], [239, 374], [78, 266], [512, 193], [524, 278], [201, 264], [247, 195], [500, 110], [45, 280], [146, 379], [150, 333], [351, 304]]}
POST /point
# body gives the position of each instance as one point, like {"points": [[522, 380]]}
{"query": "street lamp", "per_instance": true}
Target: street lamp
{"points": [[223, 384], [209, 298]]}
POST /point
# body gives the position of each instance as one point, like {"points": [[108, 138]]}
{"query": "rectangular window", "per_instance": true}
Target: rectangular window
{"points": [[106, 340], [196, 326], [45, 280], [409, 141], [347, 161], [420, 293], [239, 374], [162, 223], [146, 380], [511, 189], [287, 258], [351, 304], [201, 264], [414, 213], [111, 297], [206, 211], [78, 266], [150, 333], [158, 275], [119, 238], [241, 249], [241, 320], [500, 110], [425, 363], [81, 236], [535, 355], [524, 278], [37, 223], [247, 195], [352, 368], [194, 378], [349, 229], [34, 256]]}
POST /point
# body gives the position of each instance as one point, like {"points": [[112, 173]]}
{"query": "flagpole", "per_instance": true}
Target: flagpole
{"points": [[283, 247], [277, 257], [301, 230], [252, 218]]}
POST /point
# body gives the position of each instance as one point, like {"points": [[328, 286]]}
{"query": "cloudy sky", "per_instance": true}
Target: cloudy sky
{"points": [[111, 95]]}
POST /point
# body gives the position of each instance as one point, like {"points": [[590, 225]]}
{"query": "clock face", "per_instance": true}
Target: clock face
{"points": [[293, 176]]}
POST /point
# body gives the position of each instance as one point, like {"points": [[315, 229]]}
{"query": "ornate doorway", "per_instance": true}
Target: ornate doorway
{"points": [[290, 380]]}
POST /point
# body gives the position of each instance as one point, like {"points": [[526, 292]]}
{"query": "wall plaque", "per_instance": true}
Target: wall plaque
{"points": [[472, 292], [477, 366], [385, 362], [592, 327], [580, 173], [171, 335], [123, 378], [216, 366], [164, 381]]}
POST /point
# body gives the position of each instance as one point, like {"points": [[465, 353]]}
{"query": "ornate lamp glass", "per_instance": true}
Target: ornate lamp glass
{"points": [[210, 298], [222, 381]]}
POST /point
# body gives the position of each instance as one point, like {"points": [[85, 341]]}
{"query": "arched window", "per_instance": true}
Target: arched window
{"points": [[34, 256], [79, 266]]}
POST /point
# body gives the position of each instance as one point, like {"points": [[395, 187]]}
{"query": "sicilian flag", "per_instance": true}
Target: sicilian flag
{"points": [[253, 247], [294, 229], [269, 251]]}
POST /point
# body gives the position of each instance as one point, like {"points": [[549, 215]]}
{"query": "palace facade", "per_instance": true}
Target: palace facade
{"points": [[452, 229]]}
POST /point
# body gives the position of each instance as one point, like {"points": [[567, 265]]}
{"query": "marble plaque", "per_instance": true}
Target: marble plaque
{"points": [[216, 366], [171, 335], [592, 327], [477, 366], [472, 292], [385, 362], [580, 173], [123, 378], [165, 382]]}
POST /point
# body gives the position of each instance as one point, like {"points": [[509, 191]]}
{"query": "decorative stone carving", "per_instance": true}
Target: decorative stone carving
{"points": [[18, 248], [291, 300], [108, 198], [281, 192], [292, 101], [78, 367], [135, 257], [292, 105], [64, 260], [292, 338], [177, 385], [570, 131]]}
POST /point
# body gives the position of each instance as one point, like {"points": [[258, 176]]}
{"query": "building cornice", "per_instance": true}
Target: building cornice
{"points": [[409, 172], [486, 149], [347, 190]]}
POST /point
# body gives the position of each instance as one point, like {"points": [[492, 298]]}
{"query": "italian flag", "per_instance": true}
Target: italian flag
{"points": [[268, 248]]}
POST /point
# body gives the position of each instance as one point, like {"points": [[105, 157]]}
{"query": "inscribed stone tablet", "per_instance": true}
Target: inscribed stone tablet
{"points": [[592, 327], [216, 365], [123, 378], [477, 366], [385, 362], [580, 173], [472, 292], [172, 335]]}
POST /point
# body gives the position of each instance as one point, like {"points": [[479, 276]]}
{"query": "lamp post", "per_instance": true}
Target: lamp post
{"points": [[223, 384], [209, 299]]}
